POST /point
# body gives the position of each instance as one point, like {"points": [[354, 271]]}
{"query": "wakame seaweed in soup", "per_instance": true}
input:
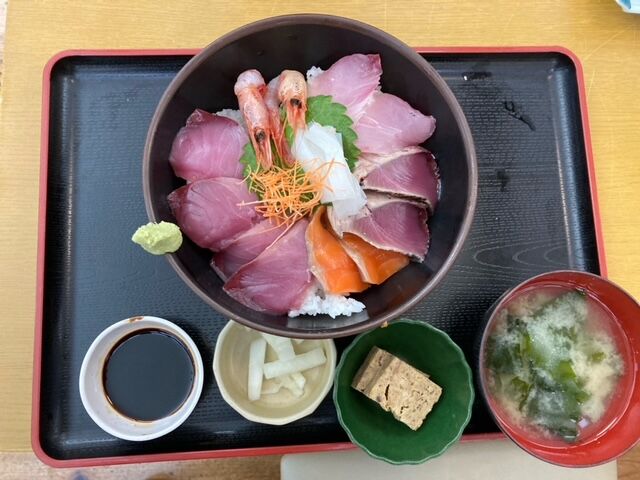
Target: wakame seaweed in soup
{"points": [[552, 361]]}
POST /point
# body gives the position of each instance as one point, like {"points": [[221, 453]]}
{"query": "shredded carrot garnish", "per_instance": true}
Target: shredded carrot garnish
{"points": [[287, 194]]}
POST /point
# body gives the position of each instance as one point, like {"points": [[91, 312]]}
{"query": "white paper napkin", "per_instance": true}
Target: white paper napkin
{"points": [[483, 460]]}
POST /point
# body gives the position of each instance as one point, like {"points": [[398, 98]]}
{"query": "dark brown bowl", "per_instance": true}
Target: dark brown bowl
{"points": [[299, 42]]}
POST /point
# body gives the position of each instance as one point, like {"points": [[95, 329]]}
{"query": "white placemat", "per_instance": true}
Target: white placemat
{"points": [[490, 460]]}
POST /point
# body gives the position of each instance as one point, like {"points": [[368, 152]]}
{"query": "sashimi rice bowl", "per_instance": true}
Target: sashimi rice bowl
{"points": [[314, 189], [307, 184]]}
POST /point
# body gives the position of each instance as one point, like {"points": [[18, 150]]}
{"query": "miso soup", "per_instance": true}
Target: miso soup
{"points": [[553, 362]]}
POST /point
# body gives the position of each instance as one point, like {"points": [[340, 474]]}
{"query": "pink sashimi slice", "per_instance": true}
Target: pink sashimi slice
{"points": [[208, 146], [247, 246], [278, 279], [350, 81], [390, 124], [413, 175], [211, 212], [368, 162], [389, 223]]}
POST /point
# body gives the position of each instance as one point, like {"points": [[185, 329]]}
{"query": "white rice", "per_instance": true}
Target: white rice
{"points": [[313, 72], [328, 304]]}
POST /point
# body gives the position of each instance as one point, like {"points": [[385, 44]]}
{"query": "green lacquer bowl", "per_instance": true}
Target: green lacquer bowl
{"points": [[376, 431]]}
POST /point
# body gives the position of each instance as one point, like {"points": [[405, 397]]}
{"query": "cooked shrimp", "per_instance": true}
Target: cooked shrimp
{"points": [[277, 127], [248, 89], [292, 93]]}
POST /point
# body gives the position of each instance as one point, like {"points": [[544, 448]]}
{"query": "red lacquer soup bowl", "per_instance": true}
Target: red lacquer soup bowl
{"points": [[618, 429]]}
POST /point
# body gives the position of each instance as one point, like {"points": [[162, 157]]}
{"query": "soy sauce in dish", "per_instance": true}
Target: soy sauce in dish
{"points": [[148, 375]]}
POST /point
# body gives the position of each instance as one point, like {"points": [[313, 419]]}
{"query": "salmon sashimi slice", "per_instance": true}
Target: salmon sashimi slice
{"points": [[328, 260], [375, 265]]}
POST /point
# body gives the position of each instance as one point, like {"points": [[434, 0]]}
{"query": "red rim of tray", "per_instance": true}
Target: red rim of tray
{"points": [[242, 452]]}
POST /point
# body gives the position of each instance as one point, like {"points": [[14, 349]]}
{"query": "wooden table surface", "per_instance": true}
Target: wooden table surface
{"points": [[604, 38]]}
